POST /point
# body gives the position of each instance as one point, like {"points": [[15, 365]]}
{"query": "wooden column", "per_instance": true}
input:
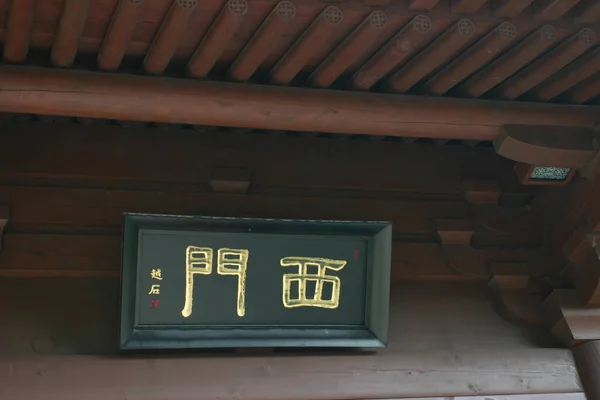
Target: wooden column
{"points": [[587, 358]]}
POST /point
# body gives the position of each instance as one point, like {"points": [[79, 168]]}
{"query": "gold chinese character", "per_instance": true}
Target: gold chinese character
{"points": [[156, 274], [198, 260], [155, 289], [319, 278], [235, 262]]}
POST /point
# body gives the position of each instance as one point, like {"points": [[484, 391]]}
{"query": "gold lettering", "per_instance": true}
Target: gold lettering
{"points": [[319, 277], [156, 274], [235, 262], [198, 260], [155, 289]]}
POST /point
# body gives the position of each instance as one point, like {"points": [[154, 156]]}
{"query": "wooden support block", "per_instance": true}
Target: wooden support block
{"points": [[216, 40], [119, 34], [578, 247], [571, 323], [454, 231], [70, 28], [263, 41], [553, 146], [506, 276], [169, 36], [313, 40], [513, 300], [355, 45], [481, 192], [229, 180], [18, 30]]}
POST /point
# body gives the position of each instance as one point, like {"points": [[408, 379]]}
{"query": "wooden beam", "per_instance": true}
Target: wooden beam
{"points": [[18, 30], [169, 36], [119, 34], [467, 6], [4, 216], [313, 40], [422, 5], [550, 64], [219, 35], [70, 28], [590, 14], [570, 76], [263, 41], [109, 96], [510, 8], [398, 50], [511, 62], [437, 53], [551, 10], [476, 56], [355, 45], [586, 90]]}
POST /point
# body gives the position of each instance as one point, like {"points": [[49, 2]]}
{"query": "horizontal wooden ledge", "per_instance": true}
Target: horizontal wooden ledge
{"points": [[165, 100], [95, 255], [385, 374]]}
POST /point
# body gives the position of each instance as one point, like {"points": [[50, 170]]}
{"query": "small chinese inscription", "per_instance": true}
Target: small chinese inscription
{"points": [[154, 289], [156, 274]]}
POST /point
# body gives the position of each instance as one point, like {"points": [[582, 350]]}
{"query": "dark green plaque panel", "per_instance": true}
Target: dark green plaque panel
{"points": [[192, 282]]}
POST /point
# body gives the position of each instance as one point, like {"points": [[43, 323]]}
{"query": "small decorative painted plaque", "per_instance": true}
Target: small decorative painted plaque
{"points": [[193, 282]]}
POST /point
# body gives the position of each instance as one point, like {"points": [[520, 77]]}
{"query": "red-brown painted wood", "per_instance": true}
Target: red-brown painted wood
{"points": [[551, 10], [511, 62], [97, 95], [412, 38], [217, 38], [357, 43], [169, 36], [422, 5], [70, 28], [118, 36], [474, 58], [550, 64], [467, 6], [586, 90], [263, 41], [437, 53], [18, 30], [510, 8]]}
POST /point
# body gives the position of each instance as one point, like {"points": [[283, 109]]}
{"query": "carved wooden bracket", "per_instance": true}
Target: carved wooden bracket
{"points": [[549, 146], [515, 299], [481, 192], [583, 250], [229, 180], [570, 322], [4, 215], [454, 231]]}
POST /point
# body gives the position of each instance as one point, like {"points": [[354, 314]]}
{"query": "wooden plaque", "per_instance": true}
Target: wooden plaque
{"points": [[196, 282]]}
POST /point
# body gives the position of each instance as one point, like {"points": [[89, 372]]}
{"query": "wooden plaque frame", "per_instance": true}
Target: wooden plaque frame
{"points": [[373, 334]]}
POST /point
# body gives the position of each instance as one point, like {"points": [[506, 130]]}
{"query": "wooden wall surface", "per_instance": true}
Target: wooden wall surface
{"points": [[68, 185], [59, 336]]}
